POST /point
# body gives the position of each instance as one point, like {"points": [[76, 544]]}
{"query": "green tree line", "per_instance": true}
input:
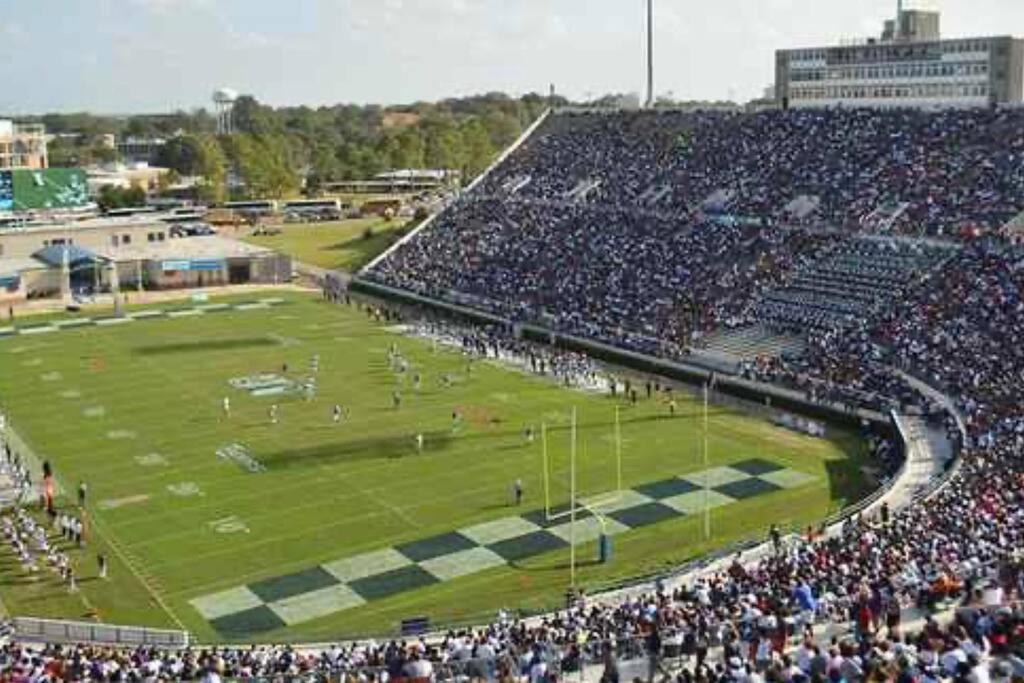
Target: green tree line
{"points": [[276, 152]]}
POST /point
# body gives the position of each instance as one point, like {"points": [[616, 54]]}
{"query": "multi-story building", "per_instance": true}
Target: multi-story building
{"points": [[911, 65], [22, 145]]}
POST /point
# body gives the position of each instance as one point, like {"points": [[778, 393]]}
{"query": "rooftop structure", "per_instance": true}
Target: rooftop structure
{"points": [[22, 145]]}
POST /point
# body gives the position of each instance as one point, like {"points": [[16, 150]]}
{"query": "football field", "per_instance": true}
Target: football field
{"points": [[239, 528]]}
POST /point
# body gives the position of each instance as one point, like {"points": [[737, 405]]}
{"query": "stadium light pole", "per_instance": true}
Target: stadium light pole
{"points": [[650, 53]]}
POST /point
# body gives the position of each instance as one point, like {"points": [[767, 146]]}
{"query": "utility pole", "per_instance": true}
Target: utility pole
{"points": [[650, 53]]}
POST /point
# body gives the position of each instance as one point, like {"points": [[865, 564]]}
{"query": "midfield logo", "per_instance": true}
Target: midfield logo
{"points": [[239, 454], [265, 384]]}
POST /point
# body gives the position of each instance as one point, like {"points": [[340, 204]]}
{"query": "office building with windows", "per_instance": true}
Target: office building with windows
{"points": [[910, 65]]}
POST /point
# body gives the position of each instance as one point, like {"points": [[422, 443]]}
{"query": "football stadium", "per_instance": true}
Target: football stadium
{"points": [[675, 393], [177, 489]]}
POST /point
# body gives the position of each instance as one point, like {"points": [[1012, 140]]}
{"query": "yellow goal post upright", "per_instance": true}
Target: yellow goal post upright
{"points": [[592, 506], [598, 500]]}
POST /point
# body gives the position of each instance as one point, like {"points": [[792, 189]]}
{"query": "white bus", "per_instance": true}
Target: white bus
{"points": [[130, 211], [256, 207], [312, 209]]}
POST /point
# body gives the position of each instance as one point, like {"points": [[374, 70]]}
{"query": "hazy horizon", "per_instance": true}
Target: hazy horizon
{"points": [[122, 57]]}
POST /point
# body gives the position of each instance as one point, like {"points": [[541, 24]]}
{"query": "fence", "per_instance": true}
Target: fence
{"points": [[34, 630]]}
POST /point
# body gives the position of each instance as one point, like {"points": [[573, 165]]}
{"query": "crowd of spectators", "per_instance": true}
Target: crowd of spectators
{"points": [[570, 368], [641, 282], [644, 282], [933, 172], [646, 230], [555, 233]]}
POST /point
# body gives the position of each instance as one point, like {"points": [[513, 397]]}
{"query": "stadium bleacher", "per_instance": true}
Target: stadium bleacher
{"points": [[846, 283], [947, 314]]}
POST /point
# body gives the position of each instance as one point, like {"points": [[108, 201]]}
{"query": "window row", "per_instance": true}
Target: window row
{"points": [[861, 73], [929, 91], [886, 53]]}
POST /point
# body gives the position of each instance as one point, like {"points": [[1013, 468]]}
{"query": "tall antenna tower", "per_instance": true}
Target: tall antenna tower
{"points": [[650, 53]]}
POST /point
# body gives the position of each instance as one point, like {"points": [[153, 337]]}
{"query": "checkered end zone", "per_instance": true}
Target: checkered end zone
{"points": [[352, 581]]}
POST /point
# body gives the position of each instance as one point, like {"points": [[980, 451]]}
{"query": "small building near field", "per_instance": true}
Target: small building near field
{"points": [[186, 262], [65, 261], [19, 276]]}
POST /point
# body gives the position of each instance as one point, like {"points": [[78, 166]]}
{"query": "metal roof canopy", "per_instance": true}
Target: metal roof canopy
{"points": [[53, 255]]}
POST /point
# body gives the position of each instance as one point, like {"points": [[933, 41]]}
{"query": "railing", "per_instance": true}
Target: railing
{"points": [[34, 630]]}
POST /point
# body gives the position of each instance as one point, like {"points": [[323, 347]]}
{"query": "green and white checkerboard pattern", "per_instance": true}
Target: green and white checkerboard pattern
{"points": [[349, 582]]}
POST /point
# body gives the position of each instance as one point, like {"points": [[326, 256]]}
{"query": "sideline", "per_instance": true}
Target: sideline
{"points": [[34, 464], [105, 302]]}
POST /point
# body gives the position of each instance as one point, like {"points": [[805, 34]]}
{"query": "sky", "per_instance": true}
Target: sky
{"points": [[151, 56]]}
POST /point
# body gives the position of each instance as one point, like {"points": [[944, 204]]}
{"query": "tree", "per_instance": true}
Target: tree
{"points": [[184, 154], [261, 165], [140, 127], [321, 144], [477, 148], [114, 197], [212, 168], [323, 168], [167, 180], [410, 150], [251, 117], [443, 145]]}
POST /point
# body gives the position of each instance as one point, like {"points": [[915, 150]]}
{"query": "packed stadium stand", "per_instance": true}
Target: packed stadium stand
{"points": [[661, 231], [931, 172], [650, 229]]}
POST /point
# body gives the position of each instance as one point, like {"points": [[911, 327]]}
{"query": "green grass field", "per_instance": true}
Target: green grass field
{"points": [[337, 245], [135, 410]]}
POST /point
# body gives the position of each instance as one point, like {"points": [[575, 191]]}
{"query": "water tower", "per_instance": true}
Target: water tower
{"points": [[223, 105]]}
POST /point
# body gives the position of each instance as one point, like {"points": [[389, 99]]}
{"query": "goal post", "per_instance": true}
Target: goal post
{"points": [[594, 502]]}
